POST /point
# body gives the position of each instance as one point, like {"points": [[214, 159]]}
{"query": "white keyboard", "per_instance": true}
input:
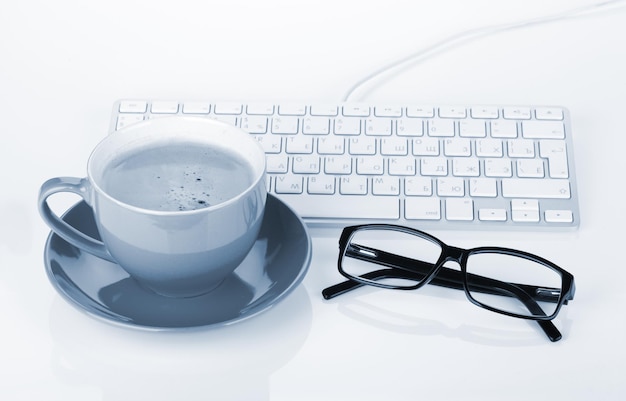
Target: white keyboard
{"points": [[424, 166]]}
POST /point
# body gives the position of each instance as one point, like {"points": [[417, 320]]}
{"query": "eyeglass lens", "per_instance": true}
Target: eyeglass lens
{"points": [[515, 281], [369, 250]]}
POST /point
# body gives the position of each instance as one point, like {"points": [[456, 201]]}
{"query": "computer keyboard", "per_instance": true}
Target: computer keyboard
{"points": [[424, 166]]}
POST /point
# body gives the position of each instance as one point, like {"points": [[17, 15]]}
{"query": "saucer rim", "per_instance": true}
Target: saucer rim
{"points": [[111, 316]]}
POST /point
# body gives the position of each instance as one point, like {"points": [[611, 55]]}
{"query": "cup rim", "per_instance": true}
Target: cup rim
{"points": [[233, 130]]}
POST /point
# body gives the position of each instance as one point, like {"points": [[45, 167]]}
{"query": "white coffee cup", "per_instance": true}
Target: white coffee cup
{"points": [[158, 217]]}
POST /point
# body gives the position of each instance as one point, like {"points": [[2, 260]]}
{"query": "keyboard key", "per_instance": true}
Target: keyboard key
{"points": [[370, 165], [425, 147], [401, 166], [164, 107], [338, 165], [386, 186], [330, 145], [535, 188], [353, 185], [503, 129], [498, 168], [292, 110], [516, 113], [543, 130], [324, 110], [356, 111], [530, 168], [321, 184], [435, 166], [196, 108], [422, 208], [362, 146], [559, 216], [306, 164], [285, 125], [394, 147], [485, 112], [525, 216], [277, 163], [556, 153], [130, 106], [299, 145], [472, 129], [409, 127], [521, 148], [450, 186], [492, 214], [378, 126], [348, 126], [289, 184], [459, 209], [270, 143], [465, 167], [489, 148], [316, 126], [254, 124], [457, 147], [420, 111], [440, 128], [483, 187], [387, 111], [525, 204], [452, 112], [548, 113], [418, 186], [264, 109], [228, 108]]}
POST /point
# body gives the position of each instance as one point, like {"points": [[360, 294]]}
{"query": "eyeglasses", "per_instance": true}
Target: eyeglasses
{"points": [[502, 280]]}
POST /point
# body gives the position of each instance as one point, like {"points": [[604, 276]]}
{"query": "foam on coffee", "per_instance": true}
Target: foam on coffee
{"points": [[177, 177]]}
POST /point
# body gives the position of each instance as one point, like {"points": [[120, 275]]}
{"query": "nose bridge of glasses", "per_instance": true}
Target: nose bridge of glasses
{"points": [[452, 253], [444, 272]]}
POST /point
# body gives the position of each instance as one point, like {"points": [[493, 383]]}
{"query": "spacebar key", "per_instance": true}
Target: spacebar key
{"points": [[343, 207]]}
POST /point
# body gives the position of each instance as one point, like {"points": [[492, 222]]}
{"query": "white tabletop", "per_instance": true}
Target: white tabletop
{"points": [[64, 63]]}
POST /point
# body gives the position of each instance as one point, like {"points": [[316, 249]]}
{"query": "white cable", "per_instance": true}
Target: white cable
{"points": [[469, 35]]}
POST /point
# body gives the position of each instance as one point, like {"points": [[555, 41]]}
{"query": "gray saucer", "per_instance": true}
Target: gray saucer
{"points": [[276, 264]]}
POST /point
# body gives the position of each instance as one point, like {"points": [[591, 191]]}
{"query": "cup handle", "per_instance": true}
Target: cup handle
{"points": [[79, 186]]}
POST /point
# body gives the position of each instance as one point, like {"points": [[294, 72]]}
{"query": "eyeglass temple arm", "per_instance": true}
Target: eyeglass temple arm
{"points": [[546, 325], [443, 279], [341, 288]]}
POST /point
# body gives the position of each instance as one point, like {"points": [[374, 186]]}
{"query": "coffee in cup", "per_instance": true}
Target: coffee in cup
{"points": [[178, 202], [177, 177]]}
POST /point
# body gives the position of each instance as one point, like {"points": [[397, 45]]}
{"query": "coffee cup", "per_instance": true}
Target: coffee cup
{"points": [[178, 202]]}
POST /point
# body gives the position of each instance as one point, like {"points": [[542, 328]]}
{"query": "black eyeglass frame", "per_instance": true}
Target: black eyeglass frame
{"points": [[426, 273]]}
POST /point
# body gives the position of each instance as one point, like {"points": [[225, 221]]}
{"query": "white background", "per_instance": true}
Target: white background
{"points": [[62, 65]]}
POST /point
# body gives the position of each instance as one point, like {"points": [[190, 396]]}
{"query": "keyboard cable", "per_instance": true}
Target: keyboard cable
{"points": [[468, 36]]}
